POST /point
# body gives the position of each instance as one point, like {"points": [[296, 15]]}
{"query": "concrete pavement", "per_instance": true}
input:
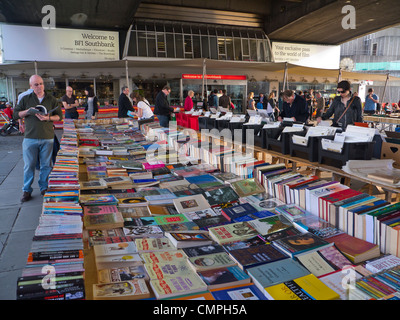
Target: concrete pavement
{"points": [[18, 221]]}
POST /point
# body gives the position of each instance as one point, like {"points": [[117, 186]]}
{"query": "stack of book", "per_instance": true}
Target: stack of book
{"points": [[55, 265]]}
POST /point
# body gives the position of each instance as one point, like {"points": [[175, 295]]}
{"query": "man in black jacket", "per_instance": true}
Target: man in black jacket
{"points": [[161, 108], [294, 106], [124, 104]]}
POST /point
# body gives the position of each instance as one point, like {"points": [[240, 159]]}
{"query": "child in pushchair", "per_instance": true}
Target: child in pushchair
{"points": [[10, 125]]}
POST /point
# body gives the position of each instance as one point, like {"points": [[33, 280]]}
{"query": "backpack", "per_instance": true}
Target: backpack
{"points": [[210, 100]]}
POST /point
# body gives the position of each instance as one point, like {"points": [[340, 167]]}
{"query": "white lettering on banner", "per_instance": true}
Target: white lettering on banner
{"points": [[49, 20], [349, 20]]}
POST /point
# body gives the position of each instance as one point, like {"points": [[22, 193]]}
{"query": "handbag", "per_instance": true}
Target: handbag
{"points": [[345, 110]]}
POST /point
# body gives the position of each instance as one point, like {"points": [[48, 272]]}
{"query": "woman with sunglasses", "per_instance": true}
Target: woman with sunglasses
{"points": [[345, 108]]}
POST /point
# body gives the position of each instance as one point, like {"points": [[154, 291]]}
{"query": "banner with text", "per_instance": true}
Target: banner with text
{"points": [[307, 55], [25, 43]]}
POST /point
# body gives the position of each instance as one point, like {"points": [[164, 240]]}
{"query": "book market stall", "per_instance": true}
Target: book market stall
{"points": [[144, 212]]}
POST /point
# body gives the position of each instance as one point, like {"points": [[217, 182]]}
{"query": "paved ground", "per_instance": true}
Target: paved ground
{"points": [[17, 221]]}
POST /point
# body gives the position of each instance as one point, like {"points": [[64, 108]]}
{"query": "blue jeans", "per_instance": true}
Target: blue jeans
{"points": [[34, 149], [164, 120]]}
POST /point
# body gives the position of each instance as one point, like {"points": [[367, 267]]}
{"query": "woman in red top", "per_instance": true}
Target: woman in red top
{"points": [[188, 101]]}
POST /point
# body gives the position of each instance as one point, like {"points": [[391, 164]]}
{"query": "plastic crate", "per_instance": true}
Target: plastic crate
{"points": [[350, 151], [309, 152], [272, 143]]}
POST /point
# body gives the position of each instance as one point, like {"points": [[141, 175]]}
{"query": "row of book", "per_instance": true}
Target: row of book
{"points": [[169, 230], [359, 214], [55, 264], [214, 228]]}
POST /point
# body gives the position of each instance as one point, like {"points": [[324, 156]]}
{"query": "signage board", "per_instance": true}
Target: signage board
{"points": [[27, 43]]}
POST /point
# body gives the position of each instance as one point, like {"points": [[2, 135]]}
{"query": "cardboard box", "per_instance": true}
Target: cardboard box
{"points": [[391, 151]]}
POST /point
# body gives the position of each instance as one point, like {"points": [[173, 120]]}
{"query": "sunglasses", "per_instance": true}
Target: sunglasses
{"points": [[340, 91]]}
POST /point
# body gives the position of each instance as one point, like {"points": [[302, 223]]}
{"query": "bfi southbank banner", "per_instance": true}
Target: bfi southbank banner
{"points": [[25, 43], [307, 55]]}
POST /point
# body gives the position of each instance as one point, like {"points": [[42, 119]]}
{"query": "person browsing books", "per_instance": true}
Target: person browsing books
{"points": [[346, 108], [294, 106], [39, 134], [144, 110], [162, 108]]}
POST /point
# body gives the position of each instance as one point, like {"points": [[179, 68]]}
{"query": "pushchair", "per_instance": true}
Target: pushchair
{"points": [[10, 125]]}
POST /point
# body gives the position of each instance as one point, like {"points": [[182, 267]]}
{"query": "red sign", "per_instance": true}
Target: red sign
{"points": [[213, 77]]}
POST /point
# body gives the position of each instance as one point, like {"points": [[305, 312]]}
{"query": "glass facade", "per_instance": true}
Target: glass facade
{"points": [[190, 41]]}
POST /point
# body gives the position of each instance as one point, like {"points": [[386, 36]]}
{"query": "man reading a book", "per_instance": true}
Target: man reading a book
{"points": [[39, 134]]}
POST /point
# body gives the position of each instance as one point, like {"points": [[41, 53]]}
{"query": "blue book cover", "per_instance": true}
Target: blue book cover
{"points": [[245, 292], [207, 179], [255, 215], [240, 210], [272, 273]]}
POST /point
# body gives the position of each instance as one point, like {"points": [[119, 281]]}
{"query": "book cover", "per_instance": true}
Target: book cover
{"points": [[269, 274], [132, 289], [315, 225], [247, 187], [103, 221], [122, 274], [291, 211], [235, 212], [203, 250], [185, 239], [297, 244], [219, 195], [189, 226], [204, 181], [165, 270], [308, 287], [382, 263], [239, 292], [211, 261], [191, 203], [173, 218], [269, 225], [256, 255], [123, 248], [355, 249], [176, 286], [237, 231], [143, 231], [153, 244], [163, 256], [224, 277]]}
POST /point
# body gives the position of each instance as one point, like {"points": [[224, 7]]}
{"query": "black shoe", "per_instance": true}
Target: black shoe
{"points": [[43, 192], [26, 196]]}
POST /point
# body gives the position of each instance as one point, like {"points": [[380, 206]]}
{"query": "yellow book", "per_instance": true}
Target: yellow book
{"points": [[308, 287]]}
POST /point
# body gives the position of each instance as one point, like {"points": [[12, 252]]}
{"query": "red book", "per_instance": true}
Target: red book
{"points": [[355, 249], [325, 201]]}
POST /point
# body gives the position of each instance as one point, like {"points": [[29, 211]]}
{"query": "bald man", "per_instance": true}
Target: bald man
{"points": [[70, 104], [39, 134]]}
